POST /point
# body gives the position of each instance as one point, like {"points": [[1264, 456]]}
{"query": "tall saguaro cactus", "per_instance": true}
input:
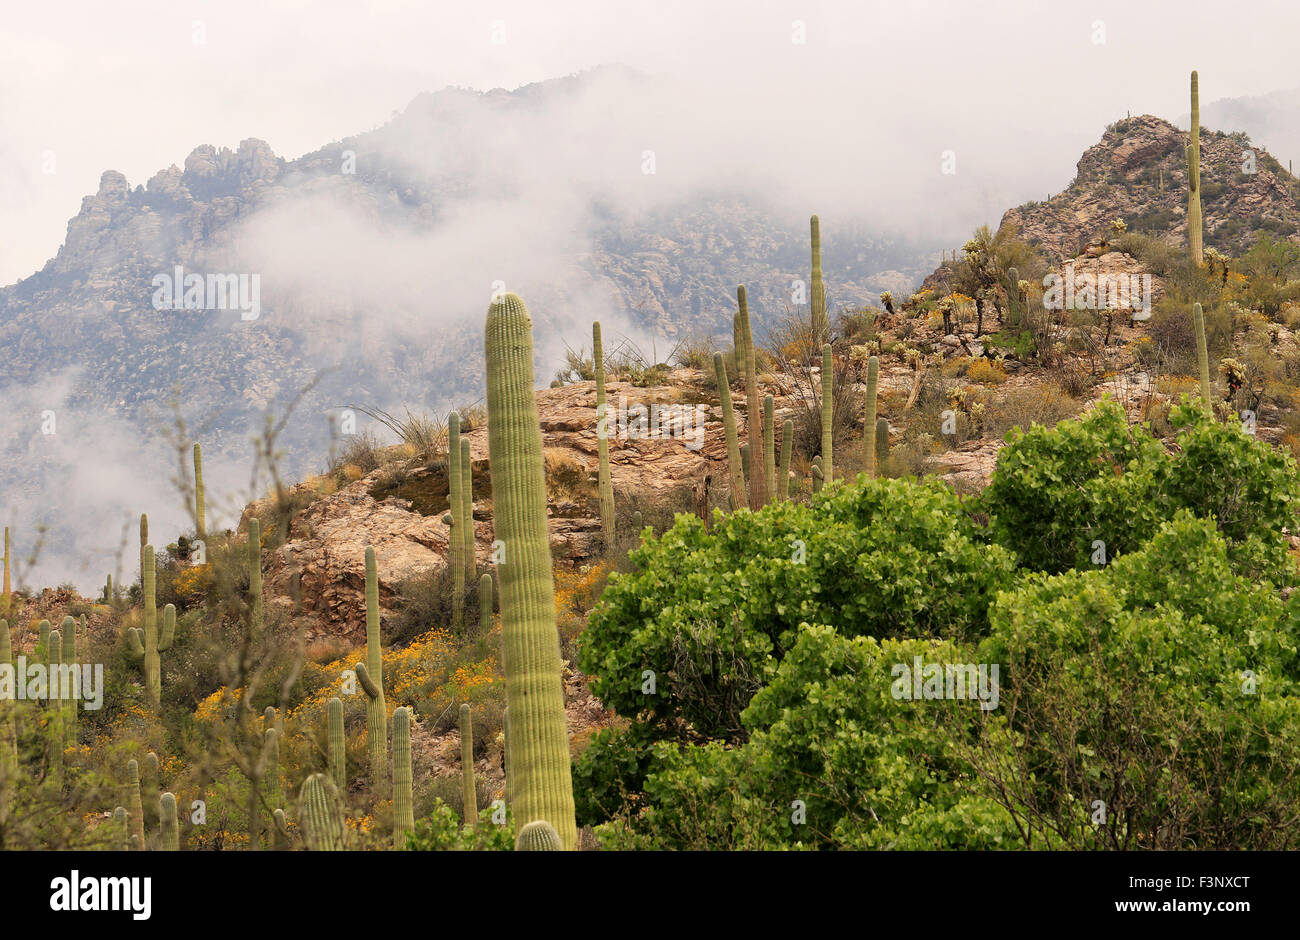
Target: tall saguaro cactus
{"points": [[370, 673], [7, 600], [539, 761], [403, 808], [735, 471], [1194, 177], [57, 710], [1202, 352], [255, 572], [147, 644], [456, 540], [869, 415], [70, 659], [320, 814], [8, 733], [753, 414], [817, 290], [485, 604], [882, 445], [828, 413], [603, 482], [135, 803], [338, 755], [787, 449], [469, 792], [769, 446], [200, 502], [467, 498], [168, 828]]}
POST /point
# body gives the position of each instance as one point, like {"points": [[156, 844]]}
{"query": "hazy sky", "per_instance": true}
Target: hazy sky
{"points": [[1016, 89]]}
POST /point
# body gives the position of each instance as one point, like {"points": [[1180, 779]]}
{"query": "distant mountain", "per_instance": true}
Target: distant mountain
{"points": [[1272, 121], [1138, 173], [372, 261]]}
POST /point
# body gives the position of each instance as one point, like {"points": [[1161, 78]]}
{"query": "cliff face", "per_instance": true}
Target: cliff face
{"points": [[1138, 173]]}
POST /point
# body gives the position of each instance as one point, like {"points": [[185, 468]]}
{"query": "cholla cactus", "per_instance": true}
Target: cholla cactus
{"points": [[1234, 375], [887, 301], [1118, 227]]}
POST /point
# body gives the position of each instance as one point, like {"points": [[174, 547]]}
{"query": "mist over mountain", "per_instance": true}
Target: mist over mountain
{"points": [[373, 259], [1272, 120]]}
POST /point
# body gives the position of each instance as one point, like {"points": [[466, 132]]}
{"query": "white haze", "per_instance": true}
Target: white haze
{"points": [[852, 125]]}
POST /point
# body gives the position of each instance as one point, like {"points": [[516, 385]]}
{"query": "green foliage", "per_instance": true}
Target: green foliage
{"points": [[1056, 492], [441, 831], [1164, 685], [712, 612]]}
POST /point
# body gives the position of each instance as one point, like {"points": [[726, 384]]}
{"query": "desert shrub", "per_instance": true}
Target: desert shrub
{"points": [[425, 602], [362, 451], [711, 612], [1163, 685], [1056, 492], [695, 352], [986, 371], [440, 831], [1024, 407]]}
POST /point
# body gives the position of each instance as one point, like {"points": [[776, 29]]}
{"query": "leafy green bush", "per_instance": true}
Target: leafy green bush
{"points": [[1056, 493], [440, 831], [711, 613], [1162, 686]]}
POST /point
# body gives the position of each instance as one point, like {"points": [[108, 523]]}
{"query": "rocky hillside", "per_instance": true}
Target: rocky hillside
{"points": [[375, 257], [1138, 173]]}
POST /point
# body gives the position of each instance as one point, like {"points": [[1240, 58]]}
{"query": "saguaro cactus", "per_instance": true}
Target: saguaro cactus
{"points": [[538, 836], [753, 416], [370, 674], [8, 594], [485, 604], [735, 471], [271, 776], [869, 415], [818, 477], [320, 814], [338, 755], [200, 503], [604, 485], [8, 734], [403, 811], [467, 498], [543, 787], [70, 659], [255, 572], [168, 828], [122, 825], [882, 445], [1194, 177], [1202, 351], [787, 449], [469, 793], [147, 644], [769, 445], [134, 801], [456, 540], [150, 787], [57, 710], [828, 407], [816, 289]]}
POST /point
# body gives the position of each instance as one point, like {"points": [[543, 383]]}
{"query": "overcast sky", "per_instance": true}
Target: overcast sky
{"points": [[1016, 89]]}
